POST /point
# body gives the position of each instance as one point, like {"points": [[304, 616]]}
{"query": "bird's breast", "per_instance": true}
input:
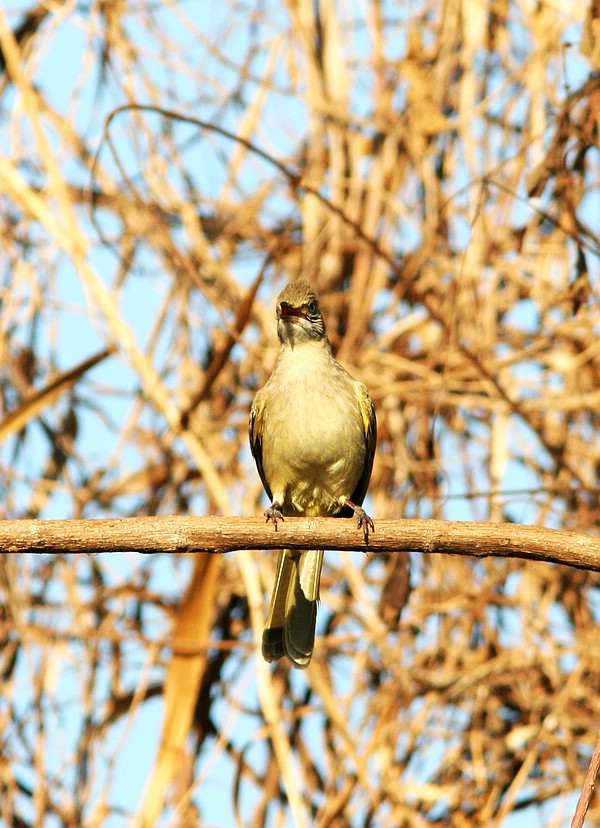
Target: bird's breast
{"points": [[313, 437]]}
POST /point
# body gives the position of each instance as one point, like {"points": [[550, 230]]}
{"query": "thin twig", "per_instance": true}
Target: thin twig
{"points": [[589, 785]]}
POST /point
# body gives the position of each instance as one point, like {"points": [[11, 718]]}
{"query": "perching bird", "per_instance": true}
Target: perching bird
{"points": [[312, 433]]}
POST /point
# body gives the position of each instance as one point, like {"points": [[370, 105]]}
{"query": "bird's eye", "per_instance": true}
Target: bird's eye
{"points": [[312, 307]]}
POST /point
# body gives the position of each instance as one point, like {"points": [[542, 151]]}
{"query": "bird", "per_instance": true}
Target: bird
{"points": [[313, 433]]}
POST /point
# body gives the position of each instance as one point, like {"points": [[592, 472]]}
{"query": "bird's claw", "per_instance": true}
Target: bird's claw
{"points": [[363, 521], [274, 513]]}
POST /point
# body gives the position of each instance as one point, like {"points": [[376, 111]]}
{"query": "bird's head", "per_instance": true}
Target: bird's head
{"points": [[299, 316]]}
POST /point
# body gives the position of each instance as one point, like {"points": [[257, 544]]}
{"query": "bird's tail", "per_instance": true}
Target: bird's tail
{"points": [[290, 626]]}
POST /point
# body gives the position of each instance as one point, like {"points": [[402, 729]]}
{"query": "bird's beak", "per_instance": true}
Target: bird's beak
{"points": [[290, 312]]}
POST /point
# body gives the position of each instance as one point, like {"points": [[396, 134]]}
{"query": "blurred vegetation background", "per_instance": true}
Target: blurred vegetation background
{"points": [[165, 169]]}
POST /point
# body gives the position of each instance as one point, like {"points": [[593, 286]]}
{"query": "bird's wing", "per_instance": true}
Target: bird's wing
{"points": [[255, 431], [367, 410]]}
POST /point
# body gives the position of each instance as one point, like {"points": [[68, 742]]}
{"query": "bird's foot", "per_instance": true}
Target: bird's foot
{"points": [[363, 520], [274, 513]]}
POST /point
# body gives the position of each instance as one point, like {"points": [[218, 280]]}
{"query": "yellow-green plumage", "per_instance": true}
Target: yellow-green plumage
{"points": [[313, 434]]}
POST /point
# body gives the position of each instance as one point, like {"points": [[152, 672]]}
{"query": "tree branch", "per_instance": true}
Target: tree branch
{"points": [[226, 534], [589, 786]]}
